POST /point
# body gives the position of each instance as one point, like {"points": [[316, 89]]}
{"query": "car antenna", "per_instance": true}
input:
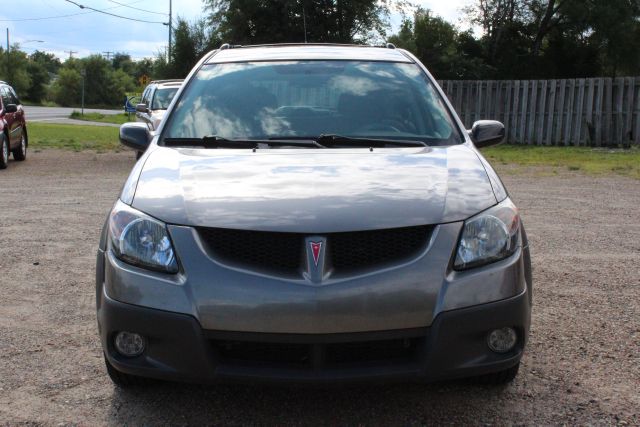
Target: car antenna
{"points": [[304, 23]]}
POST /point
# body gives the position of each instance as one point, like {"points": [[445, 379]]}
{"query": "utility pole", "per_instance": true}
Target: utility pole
{"points": [[170, 30], [70, 52], [83, 73], [108, 55], [7, 40]]}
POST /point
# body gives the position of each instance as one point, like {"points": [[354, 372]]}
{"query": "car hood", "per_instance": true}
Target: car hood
{"points": [[313, 190]]}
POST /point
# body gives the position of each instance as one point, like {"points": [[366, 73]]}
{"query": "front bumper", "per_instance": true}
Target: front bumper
{"points": [[453, 346]]}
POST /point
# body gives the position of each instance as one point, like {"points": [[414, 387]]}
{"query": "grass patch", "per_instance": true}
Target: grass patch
{"points": [[593, 161], [73, 137], [118, 119]]}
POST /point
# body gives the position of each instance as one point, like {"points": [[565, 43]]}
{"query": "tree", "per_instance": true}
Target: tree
{"points": [[192, 41], [13, 69], [39, 79], [47, 60], [122, 61], [559, 38], [41, 67], [447, 53], [276, 21], [66, 89]]}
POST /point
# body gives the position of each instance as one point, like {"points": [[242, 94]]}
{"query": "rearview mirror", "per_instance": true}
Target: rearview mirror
{"points": [[486, 133], [10, 108], [135, 135], [142, 108]]}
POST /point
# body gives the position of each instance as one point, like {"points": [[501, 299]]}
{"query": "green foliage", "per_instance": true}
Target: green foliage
{"points": [[66, 89], [47, 60], [593, 161], [276, 21], [13, 69], [39, 79], [191, 42], [559, 38], [102, 118], [73, 137], [103, 84], [447, 53]]}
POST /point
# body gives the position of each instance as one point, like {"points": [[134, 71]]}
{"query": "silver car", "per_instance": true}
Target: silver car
{"points": [[156, 98], [312, 213]]}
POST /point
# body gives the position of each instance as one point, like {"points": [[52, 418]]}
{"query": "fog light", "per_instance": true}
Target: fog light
{"points": [[502, 340], [129, 344]]}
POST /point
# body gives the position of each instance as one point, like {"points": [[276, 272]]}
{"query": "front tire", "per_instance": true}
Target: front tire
{"points": [[4, 151], [20, 153], [121, 379]]}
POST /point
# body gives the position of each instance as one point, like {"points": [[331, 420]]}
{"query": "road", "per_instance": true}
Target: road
{"points": [[61, 115]]}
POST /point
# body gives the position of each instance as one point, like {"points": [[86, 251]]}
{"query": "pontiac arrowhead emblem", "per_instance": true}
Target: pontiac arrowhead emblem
{"points": [[316, 247]]}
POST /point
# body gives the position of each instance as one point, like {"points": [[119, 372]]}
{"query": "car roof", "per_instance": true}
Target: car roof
{"points": [[168, 82], [172, 84], [306, 52]]}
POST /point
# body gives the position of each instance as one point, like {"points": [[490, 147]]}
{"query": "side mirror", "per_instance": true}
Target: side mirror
{"points": [[10, 108], [486, 133], [142, 108], [135, 135]]}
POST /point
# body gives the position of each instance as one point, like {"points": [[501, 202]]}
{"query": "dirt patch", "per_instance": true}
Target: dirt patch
{"points": [[582, 365]]}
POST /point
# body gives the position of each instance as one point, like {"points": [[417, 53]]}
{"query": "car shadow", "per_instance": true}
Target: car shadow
{"points": [[173, 403]]}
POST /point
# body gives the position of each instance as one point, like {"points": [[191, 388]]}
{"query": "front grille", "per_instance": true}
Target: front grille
{"points": [[317, 356], [285, 252], [238, 352], [280, 252], [350, 251]]}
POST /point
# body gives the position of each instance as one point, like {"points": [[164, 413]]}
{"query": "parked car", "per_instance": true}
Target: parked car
{"points": [[313, 213], [13, 126], [155, 100]]}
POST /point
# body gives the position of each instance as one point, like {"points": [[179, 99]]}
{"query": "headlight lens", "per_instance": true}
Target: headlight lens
{"points": [[140, 240], [489, 237]]}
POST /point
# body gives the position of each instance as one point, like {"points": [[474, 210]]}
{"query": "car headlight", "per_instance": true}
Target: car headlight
{"points": [[488, 237], [140, 240]]}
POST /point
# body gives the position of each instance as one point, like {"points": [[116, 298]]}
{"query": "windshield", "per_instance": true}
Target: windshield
{"points": [[163, 97], [265, 100]]}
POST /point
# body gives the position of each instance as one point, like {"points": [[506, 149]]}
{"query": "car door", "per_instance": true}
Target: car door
{"points": [[9, 118], [18, 116], [145, 117]]}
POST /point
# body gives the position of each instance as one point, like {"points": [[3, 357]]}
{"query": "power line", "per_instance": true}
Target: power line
{"points": [[46, 17], [137, 8], [81, 6], [57, 16]]}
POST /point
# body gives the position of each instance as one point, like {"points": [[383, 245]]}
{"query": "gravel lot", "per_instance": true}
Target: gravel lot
{"points": [[582, 365]]}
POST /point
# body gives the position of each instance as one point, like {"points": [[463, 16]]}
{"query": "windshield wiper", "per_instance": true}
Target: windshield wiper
{"points": [[211, 141], [330, 140], [214, 141]]}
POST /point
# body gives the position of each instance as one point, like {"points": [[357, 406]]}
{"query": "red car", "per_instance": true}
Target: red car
{"points": [[13, 127]]}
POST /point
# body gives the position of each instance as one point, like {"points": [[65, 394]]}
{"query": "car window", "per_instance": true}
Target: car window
{"points": [[309, 98], [6, 97], [13, 96], [163, 97], [145, 95]]}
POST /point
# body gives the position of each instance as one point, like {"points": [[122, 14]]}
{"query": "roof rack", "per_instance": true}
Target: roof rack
{"points": [[226, 46], [167, 81]]}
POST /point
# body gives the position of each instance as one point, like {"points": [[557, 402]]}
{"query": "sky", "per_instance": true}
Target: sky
{"points": [[86, 32]]}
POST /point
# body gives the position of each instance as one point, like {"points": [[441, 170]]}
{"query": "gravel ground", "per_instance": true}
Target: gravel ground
{"points": [[582, 364]]}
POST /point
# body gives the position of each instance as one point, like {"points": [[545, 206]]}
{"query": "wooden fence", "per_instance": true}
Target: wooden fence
{"points": [[595, 112]]}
